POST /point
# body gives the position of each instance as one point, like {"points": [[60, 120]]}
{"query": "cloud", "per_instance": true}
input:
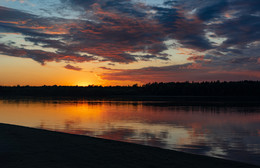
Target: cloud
{"points": [[185, 72], [239, 31], [42, 56], [221, 36], [113, 37], [70, 67], [214, 10], [21, 1]]}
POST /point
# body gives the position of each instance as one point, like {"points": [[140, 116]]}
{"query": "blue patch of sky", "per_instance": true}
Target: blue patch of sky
{"points": [[55, 8], [42, 8], [151, 2]]}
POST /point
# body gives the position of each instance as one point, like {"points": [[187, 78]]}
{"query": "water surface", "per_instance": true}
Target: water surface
{"points": [[219, 131]]}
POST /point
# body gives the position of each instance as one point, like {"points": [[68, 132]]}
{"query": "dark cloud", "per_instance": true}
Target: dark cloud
{"points": [[111, 64], [120, 6], [239, 31], [214, 10], [186, 72], [112, 38], [225, 34], [105, 68], [42, 56], [71, 67], [8, 14], [189, 32]]}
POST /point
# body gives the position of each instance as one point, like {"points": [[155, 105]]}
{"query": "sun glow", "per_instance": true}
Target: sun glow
{"points": [[83, 83]]}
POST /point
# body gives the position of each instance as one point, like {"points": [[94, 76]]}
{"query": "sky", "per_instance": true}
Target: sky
{"points": [[123, 42]]}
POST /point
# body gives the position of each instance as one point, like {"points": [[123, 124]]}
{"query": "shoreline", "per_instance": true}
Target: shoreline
{"points": [[31, 147]]}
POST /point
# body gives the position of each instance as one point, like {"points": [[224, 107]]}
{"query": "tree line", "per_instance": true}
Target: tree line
{"points": [[214, 88]]}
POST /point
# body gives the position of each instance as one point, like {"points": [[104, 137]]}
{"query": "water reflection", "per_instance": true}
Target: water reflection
{"points": [[227, 132]]}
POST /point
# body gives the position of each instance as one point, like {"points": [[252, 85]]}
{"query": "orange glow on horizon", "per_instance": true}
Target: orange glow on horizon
{"points": [[83, 83]]}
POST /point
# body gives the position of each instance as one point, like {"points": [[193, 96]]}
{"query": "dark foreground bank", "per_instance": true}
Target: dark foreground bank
{"points": [[28, 147]]}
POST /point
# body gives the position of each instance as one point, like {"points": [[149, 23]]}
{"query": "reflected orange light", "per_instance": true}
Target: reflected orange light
{"points": [[82, 111]]}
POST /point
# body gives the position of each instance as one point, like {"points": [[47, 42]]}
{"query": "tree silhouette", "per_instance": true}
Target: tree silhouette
{"points": [[213, 88]]}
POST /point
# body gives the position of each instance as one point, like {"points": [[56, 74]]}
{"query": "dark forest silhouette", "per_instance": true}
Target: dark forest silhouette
{"points": [[215, 88]]}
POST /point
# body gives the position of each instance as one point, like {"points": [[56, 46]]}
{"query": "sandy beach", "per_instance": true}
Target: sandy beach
{"points": [[22, 147]]}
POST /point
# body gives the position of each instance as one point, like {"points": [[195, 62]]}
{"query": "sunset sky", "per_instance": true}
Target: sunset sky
{"points": [[122, 42]]}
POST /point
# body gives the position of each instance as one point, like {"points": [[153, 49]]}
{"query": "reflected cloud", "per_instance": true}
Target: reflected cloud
{"points": [[120, 134]]}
